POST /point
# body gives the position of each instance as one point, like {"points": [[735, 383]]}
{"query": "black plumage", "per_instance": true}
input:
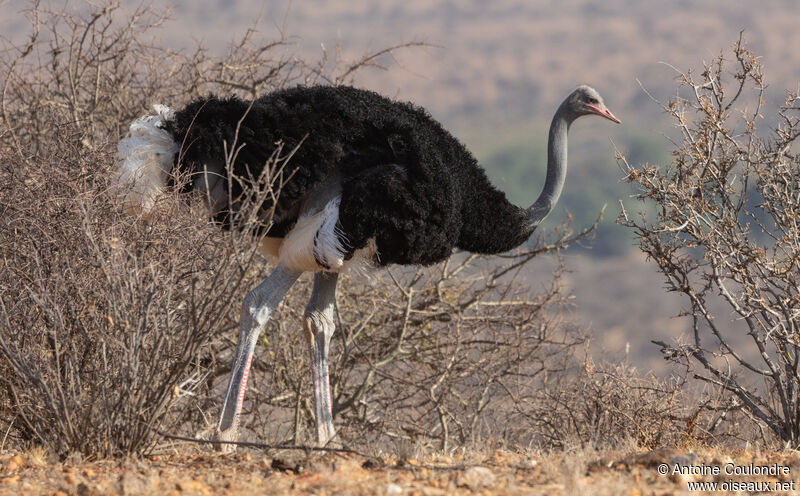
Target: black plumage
{"points": [[405, 180]]}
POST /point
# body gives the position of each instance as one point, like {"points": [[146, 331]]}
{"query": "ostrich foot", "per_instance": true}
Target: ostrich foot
{"points": [[229, 434], [325, 435]]}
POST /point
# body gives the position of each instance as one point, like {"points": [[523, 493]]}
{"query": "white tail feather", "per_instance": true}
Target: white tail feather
{"points": [[147, 157]]}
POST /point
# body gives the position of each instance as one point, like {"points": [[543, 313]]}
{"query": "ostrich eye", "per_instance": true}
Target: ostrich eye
{"points": [[593, 100]]}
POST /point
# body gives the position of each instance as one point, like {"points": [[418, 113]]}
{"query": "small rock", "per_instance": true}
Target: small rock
{"points": [[683, 459], [530, 463], [649, 459], [393, 489], [131, 484], [605, 463], [476, 478], [284, 465]]}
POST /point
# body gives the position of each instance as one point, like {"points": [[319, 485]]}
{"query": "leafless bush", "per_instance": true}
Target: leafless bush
{"points": [[726, 236], [102, 319], [106, 320], [613, 406], [88, 70], [446, 351]]}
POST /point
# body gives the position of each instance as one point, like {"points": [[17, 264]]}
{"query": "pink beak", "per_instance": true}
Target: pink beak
{"points": [[603, 112]]}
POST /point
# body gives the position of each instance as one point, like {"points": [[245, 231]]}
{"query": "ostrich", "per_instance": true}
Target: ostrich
{"points": [[374, 182]]}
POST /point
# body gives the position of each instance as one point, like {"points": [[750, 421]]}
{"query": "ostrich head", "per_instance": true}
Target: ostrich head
{"points": [[585, 100]]}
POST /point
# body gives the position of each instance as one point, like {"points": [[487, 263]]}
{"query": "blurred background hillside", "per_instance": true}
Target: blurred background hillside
{"points": [[494, 73]]}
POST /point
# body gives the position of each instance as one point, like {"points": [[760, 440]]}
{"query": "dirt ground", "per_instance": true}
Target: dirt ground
{"points": [[292, 473]]}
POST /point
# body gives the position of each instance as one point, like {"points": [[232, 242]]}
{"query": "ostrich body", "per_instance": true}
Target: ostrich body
{"points": [[374, 182]]}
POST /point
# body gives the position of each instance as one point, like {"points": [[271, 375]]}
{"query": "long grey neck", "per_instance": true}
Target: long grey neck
{"points": [[556, 168]]}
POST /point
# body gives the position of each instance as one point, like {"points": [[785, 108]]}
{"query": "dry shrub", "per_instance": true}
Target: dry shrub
{"points": [[610, 406], [725, 234], [102, 318]]}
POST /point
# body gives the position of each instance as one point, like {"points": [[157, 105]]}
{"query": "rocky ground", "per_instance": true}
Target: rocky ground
{"points": [[565, 473]]}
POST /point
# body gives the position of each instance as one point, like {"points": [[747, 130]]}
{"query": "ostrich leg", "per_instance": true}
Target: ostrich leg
{"points": [[257, 307], [318, 322]]}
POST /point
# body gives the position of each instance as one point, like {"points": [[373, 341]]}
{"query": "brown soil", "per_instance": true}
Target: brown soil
{"points": [[567, 473]]}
